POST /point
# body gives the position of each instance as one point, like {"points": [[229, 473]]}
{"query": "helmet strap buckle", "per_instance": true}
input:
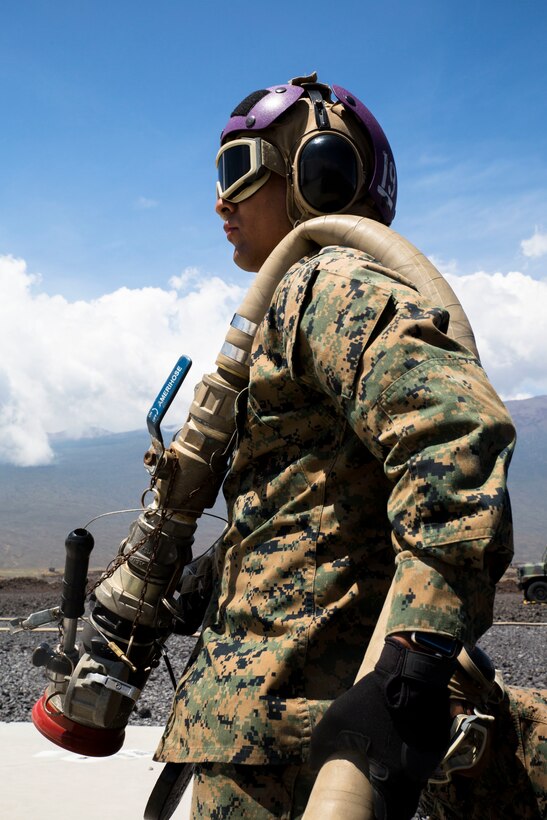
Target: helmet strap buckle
{"points": [[321, 116]]}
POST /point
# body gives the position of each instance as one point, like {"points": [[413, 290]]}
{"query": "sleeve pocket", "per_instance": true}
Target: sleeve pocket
{"points": [[334, 319]]}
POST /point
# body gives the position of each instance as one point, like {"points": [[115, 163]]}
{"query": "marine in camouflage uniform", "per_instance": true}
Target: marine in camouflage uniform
{"points": [[371, 448], [365, 431]]}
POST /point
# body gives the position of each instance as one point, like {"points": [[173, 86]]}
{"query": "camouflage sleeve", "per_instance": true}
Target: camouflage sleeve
{"points": [[424, 407]]}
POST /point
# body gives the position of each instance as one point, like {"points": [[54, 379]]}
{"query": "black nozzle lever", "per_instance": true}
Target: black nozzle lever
{"points": [[79, 544]]}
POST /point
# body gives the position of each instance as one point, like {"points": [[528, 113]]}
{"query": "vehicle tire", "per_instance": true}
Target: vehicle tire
{"points": [[537, 591]]}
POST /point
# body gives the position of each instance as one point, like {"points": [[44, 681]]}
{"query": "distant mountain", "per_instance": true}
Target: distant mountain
{"points": [[528, 476], [41, 505], [89, 477]]}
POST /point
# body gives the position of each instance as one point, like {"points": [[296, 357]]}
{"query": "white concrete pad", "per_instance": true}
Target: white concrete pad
{"points": [[41, 781]]}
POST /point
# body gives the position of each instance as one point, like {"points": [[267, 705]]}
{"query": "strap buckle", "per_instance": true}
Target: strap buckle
{"points": [[468, 741]]}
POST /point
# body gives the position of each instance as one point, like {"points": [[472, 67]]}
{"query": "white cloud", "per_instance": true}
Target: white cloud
{"points": [[535, 246], [78, 366], [75, 366], [189, 276], [507, 313]]}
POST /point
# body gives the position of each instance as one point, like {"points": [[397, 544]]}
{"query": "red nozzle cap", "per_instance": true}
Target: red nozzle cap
{"points": [[84, 740]]}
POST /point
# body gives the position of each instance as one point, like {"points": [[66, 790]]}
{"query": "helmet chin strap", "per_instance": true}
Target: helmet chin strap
{"points": [[296, 217]]}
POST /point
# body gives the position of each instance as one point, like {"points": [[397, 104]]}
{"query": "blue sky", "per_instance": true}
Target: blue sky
{"points": [[111, 113]]}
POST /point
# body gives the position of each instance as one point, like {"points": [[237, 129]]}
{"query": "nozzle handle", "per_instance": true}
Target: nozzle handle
{"points": [[165, 397], [78, 544]]}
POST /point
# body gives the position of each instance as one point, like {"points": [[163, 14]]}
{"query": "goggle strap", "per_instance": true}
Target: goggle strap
{"points": [[272, 158]]}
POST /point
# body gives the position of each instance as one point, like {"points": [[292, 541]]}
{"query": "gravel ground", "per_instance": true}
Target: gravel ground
{"points": [[519, 651]]}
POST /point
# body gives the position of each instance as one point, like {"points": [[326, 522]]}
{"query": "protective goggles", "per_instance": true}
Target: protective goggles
{"points": [[244, 165]]}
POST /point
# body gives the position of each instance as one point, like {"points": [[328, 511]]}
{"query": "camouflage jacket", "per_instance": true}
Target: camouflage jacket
{"points": [[370, 445]]}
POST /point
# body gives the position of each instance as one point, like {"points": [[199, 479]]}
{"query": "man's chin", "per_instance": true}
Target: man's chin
{"points": [[244, 262]]}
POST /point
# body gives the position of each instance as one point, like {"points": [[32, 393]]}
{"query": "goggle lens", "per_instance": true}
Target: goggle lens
{"points": [[234, 164]]}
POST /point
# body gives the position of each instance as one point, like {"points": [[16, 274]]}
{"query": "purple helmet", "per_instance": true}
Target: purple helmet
{"points": [[331, 148]]}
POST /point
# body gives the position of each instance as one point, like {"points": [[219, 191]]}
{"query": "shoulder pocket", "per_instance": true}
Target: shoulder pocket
{"points": [[336, 318]]}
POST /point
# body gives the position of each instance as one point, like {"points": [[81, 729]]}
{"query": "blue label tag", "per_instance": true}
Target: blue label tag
{"points": [[165, 397]]}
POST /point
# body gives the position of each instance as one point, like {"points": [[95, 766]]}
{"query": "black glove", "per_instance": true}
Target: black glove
{"points": [[398, 718], [196, 588]]}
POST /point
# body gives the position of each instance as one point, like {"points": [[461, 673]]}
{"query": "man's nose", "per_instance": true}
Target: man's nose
{"points": [[224, 208]]}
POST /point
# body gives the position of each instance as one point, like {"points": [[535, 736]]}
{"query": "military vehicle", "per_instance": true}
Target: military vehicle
{"points": [[532, 579]]}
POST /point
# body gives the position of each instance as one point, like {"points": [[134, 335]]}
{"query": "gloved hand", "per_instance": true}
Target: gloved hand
{"points": [[398, 718]]}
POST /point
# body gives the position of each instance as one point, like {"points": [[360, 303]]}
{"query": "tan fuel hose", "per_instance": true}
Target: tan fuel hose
{"points": [[341, 790], [382, 243]]}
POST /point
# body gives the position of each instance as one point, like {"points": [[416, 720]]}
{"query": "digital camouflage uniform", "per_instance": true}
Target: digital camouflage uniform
{"points": [[369, 444], [232, 790]]}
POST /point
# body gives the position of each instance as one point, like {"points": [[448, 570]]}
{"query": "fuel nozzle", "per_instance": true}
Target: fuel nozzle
{"points": [[59, 662], [133, 609]]}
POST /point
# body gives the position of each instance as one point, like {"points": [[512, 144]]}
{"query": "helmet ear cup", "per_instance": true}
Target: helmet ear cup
{"points": [[329, 173]]}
